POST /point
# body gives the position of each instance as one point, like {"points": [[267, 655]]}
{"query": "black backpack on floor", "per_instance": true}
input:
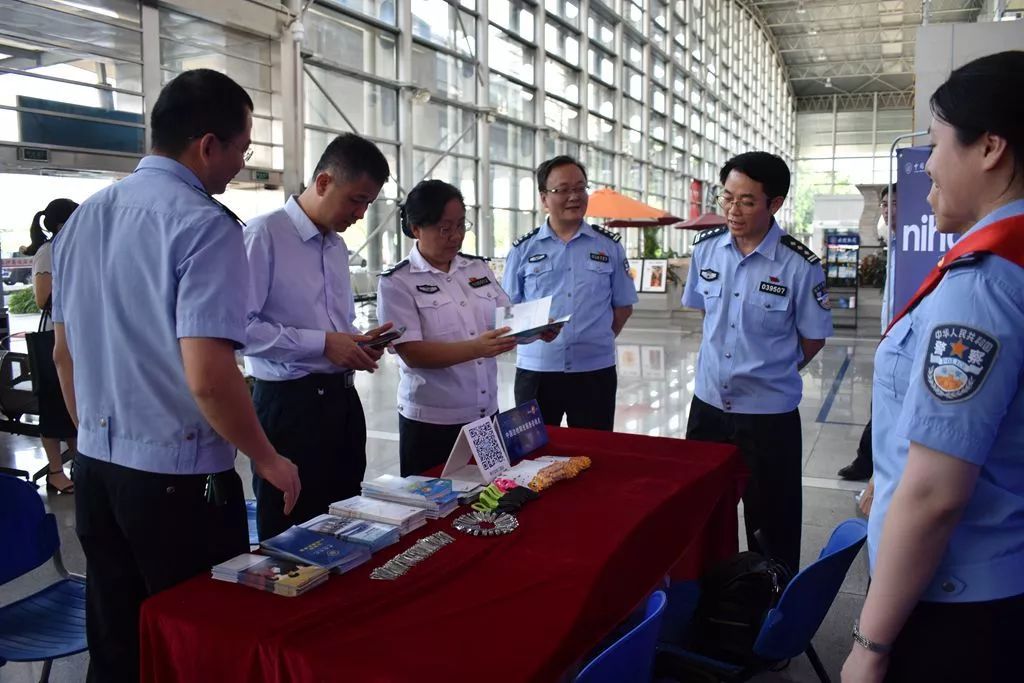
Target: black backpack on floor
{"points": [[735, 598]]}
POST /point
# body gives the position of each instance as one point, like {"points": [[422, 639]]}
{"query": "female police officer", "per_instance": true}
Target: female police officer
{"points": [[946, 534], [446, 301]]}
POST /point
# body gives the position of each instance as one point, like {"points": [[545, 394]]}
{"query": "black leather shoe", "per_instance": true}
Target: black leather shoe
{"points": [[857, 471]]}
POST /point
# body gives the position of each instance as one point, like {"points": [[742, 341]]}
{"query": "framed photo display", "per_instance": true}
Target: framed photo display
{"points": [[655, 276]]}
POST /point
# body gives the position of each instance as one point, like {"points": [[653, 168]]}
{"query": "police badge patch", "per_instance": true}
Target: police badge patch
{"points": [[821, 296], [428, 289], [959, 359], [708, 274]]}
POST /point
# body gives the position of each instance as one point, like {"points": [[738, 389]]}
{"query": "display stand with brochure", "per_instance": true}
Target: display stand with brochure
{"points": [[486, 448]]}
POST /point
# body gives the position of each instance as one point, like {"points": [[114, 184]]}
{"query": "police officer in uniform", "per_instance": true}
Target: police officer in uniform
{"points": [[946, 531], [445, 300], [766, 315], [149, 290], [585, 271], [301, 344]]}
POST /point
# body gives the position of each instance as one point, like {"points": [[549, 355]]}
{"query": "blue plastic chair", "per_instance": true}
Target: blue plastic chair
{"points": [[50, 623], [630, 659], [789, 627]]}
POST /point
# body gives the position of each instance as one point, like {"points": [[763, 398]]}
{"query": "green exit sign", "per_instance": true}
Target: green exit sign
{"points": [[261, 175], [33, 154]]}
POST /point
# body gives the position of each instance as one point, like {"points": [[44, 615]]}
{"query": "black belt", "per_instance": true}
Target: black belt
{"points": [[316, 381]]}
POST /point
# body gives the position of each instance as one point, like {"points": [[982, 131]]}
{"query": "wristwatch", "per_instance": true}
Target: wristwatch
{"points": [[869, 645]]}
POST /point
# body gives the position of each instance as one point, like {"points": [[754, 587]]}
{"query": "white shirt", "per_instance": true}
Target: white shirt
{"points": [[443, 307], [43, 263], [300, 290]]}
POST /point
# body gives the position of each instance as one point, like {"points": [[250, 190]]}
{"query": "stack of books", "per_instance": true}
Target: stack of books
{"points": [[271, 574], [374, 535], [433, 495], [405, 517], [308, 547]]}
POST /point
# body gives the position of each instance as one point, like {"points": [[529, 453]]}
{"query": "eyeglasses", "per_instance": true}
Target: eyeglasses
{"points": [[446, 230], [744, 205], [246, 155], [578, 190]]}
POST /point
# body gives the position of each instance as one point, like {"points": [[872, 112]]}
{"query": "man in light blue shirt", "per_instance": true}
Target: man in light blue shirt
{"points": [[149, 285], [766, 315], [585, 271], [301, 345]]}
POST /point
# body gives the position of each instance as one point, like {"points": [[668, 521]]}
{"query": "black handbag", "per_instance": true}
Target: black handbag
{"points": [[40, 356]]}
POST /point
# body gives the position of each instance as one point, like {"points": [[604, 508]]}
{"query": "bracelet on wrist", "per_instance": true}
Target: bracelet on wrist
{"points": [[869, 645]]}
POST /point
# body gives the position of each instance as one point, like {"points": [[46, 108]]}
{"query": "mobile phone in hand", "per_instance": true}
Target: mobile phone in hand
{"points": [[384, 339]]}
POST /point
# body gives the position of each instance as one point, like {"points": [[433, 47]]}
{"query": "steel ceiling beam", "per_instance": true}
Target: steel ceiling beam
{"points": [[859, 14], [883, 66], [903, 99]]}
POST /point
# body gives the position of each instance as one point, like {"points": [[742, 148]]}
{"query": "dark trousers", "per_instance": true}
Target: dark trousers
{"points": [[141, 533], [980, 642], [317, 423], [587, 399], [864, 449], [771, 446], [422, 445]]}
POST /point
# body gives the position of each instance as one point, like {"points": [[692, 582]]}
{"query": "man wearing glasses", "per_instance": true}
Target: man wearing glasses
{"points": [[766, 315], [584, 270], [301, 344], [146, 356]]}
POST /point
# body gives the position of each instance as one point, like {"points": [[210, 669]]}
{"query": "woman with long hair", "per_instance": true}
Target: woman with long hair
{"points": [[946, 531], [55, 424]]}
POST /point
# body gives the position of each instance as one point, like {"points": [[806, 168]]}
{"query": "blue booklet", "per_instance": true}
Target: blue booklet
{"points": [[522, 430], [374, 535], [309, 547]]}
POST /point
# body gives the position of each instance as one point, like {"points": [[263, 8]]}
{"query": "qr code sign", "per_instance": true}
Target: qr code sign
{"points": [[487, 448]]}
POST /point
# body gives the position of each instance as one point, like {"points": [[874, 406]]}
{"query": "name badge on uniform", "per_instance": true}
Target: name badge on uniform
{"points": [[821, 296], [537, 257], [708, 274], [772, 288], [599, 256], [476, 282], [428, 289], [959, 359]]}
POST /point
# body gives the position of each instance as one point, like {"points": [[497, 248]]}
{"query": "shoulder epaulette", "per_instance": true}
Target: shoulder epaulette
{"points": [[525, 237], [395, 268], [613, 236], [474, 256], [968, 259], [708, 234], [800, 248]]}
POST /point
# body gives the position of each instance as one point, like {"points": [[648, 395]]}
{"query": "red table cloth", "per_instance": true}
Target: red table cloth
{"points": [[522, 607]]}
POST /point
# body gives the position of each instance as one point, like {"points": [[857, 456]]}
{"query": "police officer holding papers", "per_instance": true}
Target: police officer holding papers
{"points": [[585, 271]]}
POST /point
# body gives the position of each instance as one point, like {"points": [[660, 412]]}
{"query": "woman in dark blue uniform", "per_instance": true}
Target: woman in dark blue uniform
{"points": [[946, 532]]}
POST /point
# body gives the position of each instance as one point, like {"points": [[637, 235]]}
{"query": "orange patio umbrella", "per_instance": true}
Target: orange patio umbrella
{"points": [[607, 203]]}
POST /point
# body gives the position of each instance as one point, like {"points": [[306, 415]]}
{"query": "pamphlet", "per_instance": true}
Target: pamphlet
{"points": [[528, 320]]}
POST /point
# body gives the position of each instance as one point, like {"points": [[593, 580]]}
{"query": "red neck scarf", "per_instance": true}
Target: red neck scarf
{"points": [[1003, 238]]}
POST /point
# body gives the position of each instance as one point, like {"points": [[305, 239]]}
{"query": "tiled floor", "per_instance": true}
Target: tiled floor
{"points": [[653, 398]]}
